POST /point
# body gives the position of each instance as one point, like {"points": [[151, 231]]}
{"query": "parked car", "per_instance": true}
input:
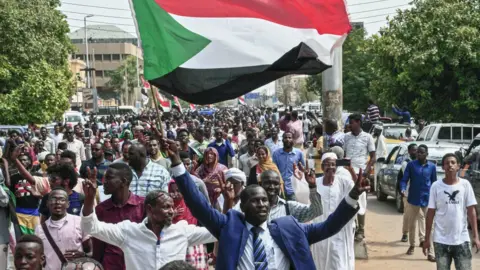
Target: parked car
{"points": [[449, 132], [7, 128], [389, 176], [471, 168]]}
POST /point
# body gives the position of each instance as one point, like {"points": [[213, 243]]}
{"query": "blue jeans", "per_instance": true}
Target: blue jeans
{"points": [[461, 255]]}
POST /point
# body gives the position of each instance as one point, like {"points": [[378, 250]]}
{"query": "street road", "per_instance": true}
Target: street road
{"points": [[383, 233]]}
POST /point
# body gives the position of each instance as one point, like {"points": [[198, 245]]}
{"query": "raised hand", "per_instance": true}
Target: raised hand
{"points": [[296, 172], [90, 184], [310, 177], [361, 185], [227, 190], [172, 151]]}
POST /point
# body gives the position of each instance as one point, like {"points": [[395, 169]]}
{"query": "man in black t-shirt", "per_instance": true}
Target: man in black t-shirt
{"points": [[63, 175]]}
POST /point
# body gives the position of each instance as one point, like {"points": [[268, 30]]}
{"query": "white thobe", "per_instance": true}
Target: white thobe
{"points": [[335, 252]]}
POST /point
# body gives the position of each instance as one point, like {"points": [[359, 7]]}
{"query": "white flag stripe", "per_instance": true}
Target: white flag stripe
{"points": [[244, 42]]}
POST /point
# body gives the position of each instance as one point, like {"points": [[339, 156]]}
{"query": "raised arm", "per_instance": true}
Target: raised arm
{"points": [[347, 209], [107, 232], [212, 219], [304, 212]]}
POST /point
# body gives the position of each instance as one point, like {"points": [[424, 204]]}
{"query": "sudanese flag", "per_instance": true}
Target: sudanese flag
{"points": [[207, 51]]}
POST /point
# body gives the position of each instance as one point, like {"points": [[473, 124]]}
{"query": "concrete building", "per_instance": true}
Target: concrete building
{"points": [[286, 88], [108, 46], [77, 68]]}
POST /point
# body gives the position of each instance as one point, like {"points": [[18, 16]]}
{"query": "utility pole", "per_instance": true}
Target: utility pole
{"points": [[332, 94], [86, 48]]}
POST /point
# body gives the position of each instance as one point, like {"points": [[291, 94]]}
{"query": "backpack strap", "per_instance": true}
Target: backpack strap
{"points": [[53, 244]]}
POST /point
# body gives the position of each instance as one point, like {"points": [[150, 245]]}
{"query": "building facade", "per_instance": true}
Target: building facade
{"points": [[108, 46]]}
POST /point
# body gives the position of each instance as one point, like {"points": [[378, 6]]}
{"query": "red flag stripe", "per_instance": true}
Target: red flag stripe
{"points": [[327, 16]]}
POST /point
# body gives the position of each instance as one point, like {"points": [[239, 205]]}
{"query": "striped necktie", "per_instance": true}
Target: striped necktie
{"points": [[259, 253]]}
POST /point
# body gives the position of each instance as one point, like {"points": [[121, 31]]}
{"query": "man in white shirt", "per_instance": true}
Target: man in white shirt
{"points": [[336, 252], [359, 147], [48, 142], [152, 243], [452, 202], [75, 146], [244, 159], [306, 128]]}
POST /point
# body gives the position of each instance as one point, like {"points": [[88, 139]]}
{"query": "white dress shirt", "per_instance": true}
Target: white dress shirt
{"points": [[276, 259], [78, 148], [141, 247], [243, 163]]}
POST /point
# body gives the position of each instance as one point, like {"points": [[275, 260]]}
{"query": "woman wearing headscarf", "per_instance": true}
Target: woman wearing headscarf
{"points": [[211, 172], [196, 255], [265, 163]]}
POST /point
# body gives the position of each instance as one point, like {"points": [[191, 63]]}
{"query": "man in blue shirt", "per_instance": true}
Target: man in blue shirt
{"points": [[285, 158], [223, 147], [404, 113], [421, 174]]}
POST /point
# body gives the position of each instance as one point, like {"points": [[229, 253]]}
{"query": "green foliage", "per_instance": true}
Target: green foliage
{"points": [[35, 79], [126, 71], [355, 74], [428, 59]]}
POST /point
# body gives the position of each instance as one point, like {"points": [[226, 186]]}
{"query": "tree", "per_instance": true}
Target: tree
{"points": [[124, 80], [355, 75], [428, 59], [35, 80]]}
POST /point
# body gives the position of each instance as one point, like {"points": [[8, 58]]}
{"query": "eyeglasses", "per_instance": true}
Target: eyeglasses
{"points": [[57, 200]]}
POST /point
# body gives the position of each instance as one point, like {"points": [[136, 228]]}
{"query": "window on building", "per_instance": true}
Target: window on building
{"points": [[98, 57], [107, 57], [80, 56], [99, 73], [115, 57], [124, 56]]}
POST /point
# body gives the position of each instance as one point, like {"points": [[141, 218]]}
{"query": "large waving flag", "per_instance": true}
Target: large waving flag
{"points": [[207, 51]]}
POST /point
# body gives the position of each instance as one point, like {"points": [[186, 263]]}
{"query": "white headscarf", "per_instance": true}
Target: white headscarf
{"points": [[236, 174], [329, 155]]}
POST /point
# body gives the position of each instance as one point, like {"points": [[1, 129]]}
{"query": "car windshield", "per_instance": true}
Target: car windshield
{"points": [[396, 132], [73, 118]]}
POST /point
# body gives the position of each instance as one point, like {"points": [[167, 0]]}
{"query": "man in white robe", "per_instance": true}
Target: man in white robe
{"points": [[336, 252]]}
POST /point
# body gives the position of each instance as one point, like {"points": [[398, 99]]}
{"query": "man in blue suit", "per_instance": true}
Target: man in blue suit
{"points": [[246, 241]]}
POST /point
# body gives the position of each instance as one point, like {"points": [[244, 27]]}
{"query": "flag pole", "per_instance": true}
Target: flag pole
{"points": [[159, 118]]}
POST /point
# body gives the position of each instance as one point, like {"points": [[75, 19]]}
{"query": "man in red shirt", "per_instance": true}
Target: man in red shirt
{"points": [[121, 206]]}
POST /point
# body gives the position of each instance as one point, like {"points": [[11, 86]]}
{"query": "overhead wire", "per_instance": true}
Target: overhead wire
{"points": [[122, 17], [132, 25]]}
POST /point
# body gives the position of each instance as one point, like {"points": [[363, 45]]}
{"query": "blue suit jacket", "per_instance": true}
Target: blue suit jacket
{"points": [[292, 237]]}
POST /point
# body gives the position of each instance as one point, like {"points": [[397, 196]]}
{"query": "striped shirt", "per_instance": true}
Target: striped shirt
{"points": [[300, 211], [373, 113], [154, 177]]}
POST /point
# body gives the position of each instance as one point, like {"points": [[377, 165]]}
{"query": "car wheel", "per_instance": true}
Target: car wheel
{"points": [[380, 195], [399, 201]]}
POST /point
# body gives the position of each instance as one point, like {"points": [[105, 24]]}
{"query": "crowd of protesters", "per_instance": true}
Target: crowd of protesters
{"points": [[232, 189]]}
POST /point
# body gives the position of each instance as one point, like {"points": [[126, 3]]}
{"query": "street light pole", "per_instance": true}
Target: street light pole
{"points": [[86, 49]]}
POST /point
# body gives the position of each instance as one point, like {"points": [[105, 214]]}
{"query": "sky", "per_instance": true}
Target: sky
{"points": [[117, 12]]}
